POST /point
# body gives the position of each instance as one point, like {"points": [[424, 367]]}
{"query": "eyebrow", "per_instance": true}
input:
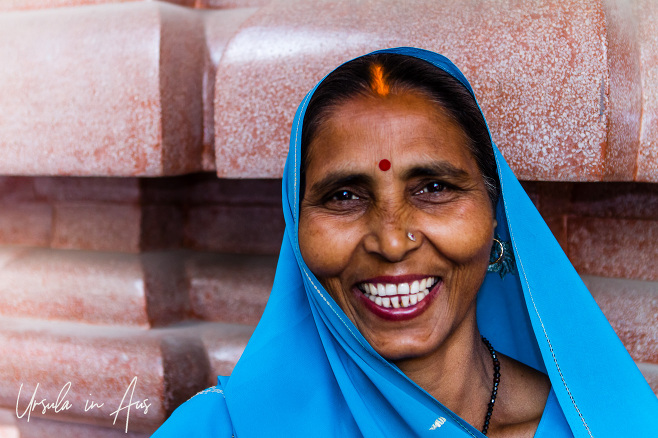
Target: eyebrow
{"points": [[441, 169], [338, 179]]}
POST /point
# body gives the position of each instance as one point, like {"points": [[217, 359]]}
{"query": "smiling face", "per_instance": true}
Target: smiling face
{"points": [[406, 297]]}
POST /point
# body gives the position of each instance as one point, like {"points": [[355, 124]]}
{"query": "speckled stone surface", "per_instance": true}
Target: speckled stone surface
{"points": [[229, 288], [647, 160], [538, 68], [631, 306], [102, 288], [650, 372], [97, 226], [112, 89], [611, 247], [94, 287], [100, 363], [625, 90], [11, 427], [24, 5], [220, 26], [171, 365], [237, 229]]}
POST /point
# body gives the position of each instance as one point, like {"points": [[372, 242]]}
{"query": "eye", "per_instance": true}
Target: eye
{"points": [[344, 195], [433, 187]]}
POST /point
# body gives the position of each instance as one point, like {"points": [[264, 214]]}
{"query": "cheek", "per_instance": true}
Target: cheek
{"points": [[326, 247], [463, 237]]}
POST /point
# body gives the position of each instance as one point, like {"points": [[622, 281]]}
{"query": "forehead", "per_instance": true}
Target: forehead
{"points": [[399, 127]]}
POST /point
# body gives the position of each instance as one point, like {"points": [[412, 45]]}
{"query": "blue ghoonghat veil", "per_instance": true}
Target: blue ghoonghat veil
{"points": [[307, 371]]}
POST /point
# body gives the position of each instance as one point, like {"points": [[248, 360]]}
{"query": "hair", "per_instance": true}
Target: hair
{"points": [[380, 74]]}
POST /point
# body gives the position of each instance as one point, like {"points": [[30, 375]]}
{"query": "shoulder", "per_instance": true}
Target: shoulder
{"points": [[204, 415]]}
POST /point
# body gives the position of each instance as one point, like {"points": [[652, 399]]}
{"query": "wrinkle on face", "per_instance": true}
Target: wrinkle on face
{"points": [[346, 242]]}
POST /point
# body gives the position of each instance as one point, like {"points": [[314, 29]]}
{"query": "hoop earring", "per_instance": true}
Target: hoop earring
{"points": [[501, 259]]}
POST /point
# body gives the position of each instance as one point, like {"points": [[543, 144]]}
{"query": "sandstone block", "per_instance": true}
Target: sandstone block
{"points": [[230, 288], [166, 366], [236, 229], [26, 223], [546, 103], [125, 102], [631, 306], [97, 226], [623, 248]]}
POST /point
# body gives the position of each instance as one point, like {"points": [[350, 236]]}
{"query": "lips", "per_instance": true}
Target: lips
{"points": [[398, 300]]}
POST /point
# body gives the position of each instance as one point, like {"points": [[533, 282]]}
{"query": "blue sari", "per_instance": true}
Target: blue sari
{"points": [[307, 371]]}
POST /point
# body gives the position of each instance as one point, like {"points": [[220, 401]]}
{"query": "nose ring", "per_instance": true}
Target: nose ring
{"points": [[411, 237]]}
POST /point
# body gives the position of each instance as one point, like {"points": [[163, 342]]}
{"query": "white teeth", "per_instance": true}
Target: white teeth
{"points": [[398, 295]]}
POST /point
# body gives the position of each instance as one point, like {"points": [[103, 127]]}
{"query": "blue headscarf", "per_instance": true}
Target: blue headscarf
{"points": [[307, 371]]}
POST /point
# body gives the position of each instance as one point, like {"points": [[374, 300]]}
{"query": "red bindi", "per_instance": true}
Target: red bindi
{"points": [[384, 165]]}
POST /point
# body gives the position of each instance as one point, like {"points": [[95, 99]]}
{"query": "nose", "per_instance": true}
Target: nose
{"points": [[392, 236]]}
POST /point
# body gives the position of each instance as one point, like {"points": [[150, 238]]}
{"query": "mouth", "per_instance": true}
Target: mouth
{"points": [[401, 300]]}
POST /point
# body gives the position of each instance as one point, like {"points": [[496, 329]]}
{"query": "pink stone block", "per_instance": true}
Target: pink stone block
{"points": [[125, 102], [624, 90], [232, 289], [540, 72], [622, 248], [94, 287], [11, 427], [171, 365], [25, 223], [100, 363], [17, 188], [224, 344], [219, 26], [236, 229], [97, 226], [118, 190], [631, 307], [647, 160], [161, 227], [227, 4], [650, 372], [21, 5], [615, 200]]}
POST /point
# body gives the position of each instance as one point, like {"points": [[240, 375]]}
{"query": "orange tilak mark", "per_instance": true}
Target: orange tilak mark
{"points": [[378, 84]]}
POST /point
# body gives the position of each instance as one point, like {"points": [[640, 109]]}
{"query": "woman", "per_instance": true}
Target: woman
{"points": [[397, 204]]}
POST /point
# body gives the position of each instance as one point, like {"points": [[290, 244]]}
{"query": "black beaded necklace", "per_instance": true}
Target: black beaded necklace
{"points": [[496, 381]]}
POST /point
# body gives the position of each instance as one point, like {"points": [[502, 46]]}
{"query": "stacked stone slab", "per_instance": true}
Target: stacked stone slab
{"points": [[141, 144]]}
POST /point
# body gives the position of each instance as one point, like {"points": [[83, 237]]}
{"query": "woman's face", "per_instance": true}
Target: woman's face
{"points": [[406, 297]]}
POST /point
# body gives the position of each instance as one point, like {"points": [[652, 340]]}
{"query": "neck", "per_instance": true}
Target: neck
{"points": [[458, 374]]}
